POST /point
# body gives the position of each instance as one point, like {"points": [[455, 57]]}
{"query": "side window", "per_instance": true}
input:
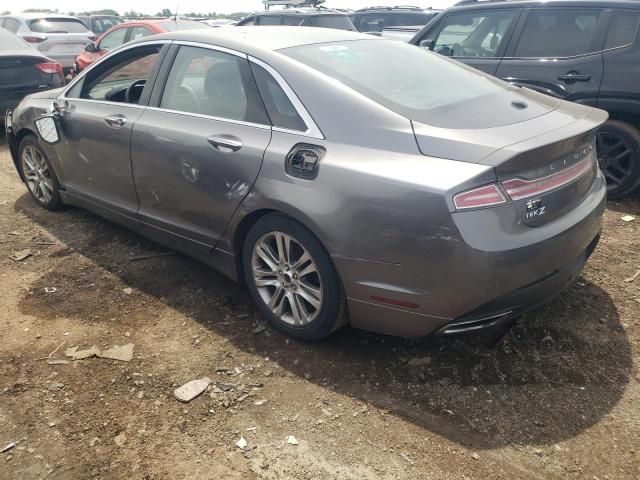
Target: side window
{"points": [[139, 32], [12, 25], [473, 34], [113, 40], [292, 21], [121, 79], [372, 23], [213, 83], [558, 32], [247, 22], [281, 111], [270, 20], [623, 28]]}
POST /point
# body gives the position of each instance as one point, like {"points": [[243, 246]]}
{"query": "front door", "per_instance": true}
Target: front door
{"points": [[478, 37], [197, 154], [557, 52], [99, 114]]}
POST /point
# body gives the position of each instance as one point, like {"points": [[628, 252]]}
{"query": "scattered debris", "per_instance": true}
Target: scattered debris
{"points": [[226, 387], [150, 256], [58, 361], [242, 443], [475, 456], [8, 447], [192, 389], [21, 255], [259, 329], [50, 289], [260, 402], [406, 458], [627, 218], [128, 290], [419, 361], [124, 353], [291, 440], [120, 440], [633, 277], [55, 386], [82, 354]]}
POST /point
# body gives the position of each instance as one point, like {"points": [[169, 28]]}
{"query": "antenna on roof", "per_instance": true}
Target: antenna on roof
{"points": [[175, 16]]}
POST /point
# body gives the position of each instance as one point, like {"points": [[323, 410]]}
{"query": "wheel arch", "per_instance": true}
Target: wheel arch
{"points": [[14, 144]]}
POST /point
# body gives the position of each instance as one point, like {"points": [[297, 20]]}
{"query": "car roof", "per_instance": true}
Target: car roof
{"points": [[35, 15], [475, 4], [398, 8], [254, 41], [299, 11]]}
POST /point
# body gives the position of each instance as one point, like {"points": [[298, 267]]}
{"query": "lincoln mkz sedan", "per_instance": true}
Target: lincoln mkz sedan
{"points": [[341, 177]]}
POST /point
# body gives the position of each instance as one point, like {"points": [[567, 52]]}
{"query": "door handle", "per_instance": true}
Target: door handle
{"points": [[574, 77], [115, 121], [225, 143]]}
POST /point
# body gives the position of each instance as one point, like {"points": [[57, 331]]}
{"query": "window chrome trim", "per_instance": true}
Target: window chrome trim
{"points": [[208, 46], [312, 128], [82, 74], [210, 117]]}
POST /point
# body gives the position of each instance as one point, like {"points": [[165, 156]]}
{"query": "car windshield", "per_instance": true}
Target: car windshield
{"points": [[411, 81], [182, 25], [102, 24], [57, 25], [340, 22]]}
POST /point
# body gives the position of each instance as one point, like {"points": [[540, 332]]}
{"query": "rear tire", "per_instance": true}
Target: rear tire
{"points": [[291, 278], [38, 175], [618, 145]]}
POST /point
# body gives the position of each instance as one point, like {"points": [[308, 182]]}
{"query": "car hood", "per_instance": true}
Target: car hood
{"points": [[543, 118]]}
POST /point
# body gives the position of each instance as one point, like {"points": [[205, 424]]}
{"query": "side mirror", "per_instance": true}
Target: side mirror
{"points": [[91, 48], [47, 127], [429, 44]]}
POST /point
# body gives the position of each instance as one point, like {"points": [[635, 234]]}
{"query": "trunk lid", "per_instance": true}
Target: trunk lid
{"points": [[19, 74]]}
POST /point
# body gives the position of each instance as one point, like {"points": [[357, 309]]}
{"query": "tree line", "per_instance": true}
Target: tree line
{"points": [[165, 12]]}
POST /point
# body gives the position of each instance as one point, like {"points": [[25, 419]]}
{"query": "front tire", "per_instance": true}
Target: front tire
{"points": [[618, 146], [291, 279], [38, 175]]}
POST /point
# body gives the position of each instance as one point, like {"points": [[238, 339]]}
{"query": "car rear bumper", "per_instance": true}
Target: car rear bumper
{"points": [[482, 276]]}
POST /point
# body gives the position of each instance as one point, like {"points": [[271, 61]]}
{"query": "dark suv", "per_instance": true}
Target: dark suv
{"points": [[585, 51], [376, 19], [301, 17]]}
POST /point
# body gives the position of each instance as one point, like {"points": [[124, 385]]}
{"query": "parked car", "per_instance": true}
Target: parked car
{"points": [[475, 199], [377, 19], [99, 24], [23, 70], [579, 50], [125, 32], [59, 37], [301, 17], [219, 22]]}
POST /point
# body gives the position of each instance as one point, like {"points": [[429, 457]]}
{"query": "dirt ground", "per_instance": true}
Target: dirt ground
{"points": [[557, 397]]}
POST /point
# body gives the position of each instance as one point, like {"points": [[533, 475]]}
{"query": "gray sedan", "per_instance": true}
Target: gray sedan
{"points": [[342, 178]]}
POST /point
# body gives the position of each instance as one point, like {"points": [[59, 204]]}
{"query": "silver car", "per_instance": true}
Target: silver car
{"points": [[341, 177], [59, 37]]}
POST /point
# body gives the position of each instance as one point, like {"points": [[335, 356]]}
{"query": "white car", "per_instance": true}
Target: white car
{"points": [[59, 37]]}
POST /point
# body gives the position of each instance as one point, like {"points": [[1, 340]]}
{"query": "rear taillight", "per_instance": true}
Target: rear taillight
{"points": [[518, 189], [486, 196], [34, 39], [49, 67]]}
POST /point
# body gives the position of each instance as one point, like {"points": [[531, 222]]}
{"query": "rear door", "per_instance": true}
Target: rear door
{"points": [[477, 37], [198, 151], [557, 51]]}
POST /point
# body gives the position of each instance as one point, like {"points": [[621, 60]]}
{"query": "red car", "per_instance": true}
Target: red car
{"points": [[125, 32]]}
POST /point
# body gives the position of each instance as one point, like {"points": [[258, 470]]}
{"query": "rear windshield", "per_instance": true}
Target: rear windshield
{"points": [[340, 22], [57, 25], [102, 24], [173, 26], [417, 84]]}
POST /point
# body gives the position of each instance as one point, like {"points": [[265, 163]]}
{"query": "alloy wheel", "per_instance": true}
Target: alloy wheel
{"points": [[36, 173], [287, 278], [615, 158]]}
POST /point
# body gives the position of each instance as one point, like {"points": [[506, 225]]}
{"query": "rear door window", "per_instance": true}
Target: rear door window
{"points": [[58, 25], [558, 33], [213, 83], [474, 34], [373, 22], [270, 20], [340, 22], [113, 39], [623, 28]]}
